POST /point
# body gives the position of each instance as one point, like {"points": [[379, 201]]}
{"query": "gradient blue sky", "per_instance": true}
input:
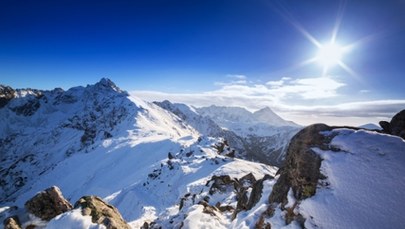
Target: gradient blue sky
{"points": [[227, 52]]}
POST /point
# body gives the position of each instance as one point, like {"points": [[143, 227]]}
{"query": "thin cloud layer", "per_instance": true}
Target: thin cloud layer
{"points": [[282, 95]]}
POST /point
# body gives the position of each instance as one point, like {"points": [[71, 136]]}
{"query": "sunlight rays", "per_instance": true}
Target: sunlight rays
{"points": [[329, 54]]}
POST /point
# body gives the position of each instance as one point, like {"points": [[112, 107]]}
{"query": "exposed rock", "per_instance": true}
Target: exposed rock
{"points": [[101, 212], [221, 184], [48, 204], [301, 167], [256, 193], [170, 156], [398, 124], [386, 126], [6, 94], [27, 109], [12, 223]]}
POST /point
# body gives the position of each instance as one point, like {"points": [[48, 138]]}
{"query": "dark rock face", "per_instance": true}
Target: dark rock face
{"points": [[396, 126], [48, 204], [386, 126], [256, 193], [6, 94], [12, 223], [301, 168], [101, 213], [28, 109], [245, 202]]}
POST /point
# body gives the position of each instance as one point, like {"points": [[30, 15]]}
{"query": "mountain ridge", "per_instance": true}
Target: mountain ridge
{"points": [[160, 171]]}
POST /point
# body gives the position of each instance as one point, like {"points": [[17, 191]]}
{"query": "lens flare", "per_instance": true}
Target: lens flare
{"points": [[329, 55]]}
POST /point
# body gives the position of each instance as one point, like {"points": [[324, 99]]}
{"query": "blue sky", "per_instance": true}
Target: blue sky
{"points": [[227, 52]]}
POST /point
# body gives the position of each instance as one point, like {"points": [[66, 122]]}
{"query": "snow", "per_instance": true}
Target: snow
{"points": [[197, 219], [366, 183], [370, 126], [132, 171], [73, 219], [261, 136], [244, 123]]}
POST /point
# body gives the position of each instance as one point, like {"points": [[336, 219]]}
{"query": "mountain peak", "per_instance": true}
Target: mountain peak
{"points": [[267, 115], [108, 84], [265, 109]]}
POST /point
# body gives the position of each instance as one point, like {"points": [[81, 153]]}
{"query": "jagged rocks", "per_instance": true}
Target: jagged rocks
{"points": [[6, 94], [221, 184], [48, 204], [301, 168], [245, 200], [12, 223], [256, 193], [27, 109], [396, 126], [101, 212]]}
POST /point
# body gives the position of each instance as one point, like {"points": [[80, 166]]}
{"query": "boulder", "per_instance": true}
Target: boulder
{"points": [[48, 204], [101, 212], [12, 223], [398, 124], [301, 167], [221, 184], [386, 126]]}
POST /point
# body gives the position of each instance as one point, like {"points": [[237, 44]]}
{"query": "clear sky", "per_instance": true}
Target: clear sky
{"points": [[252, 53]]}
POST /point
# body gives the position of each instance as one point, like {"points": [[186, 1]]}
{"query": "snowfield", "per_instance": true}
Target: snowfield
{"points": [[366, 180], [155, 168]]}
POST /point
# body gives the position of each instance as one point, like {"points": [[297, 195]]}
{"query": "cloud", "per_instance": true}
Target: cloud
{"points": [[278, 83], [237, 76], [283, 97], [309, 88], [235, 79], [254, 96]]}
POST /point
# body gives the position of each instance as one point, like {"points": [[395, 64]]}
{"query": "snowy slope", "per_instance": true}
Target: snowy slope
{"points": [[157, 169], [361, 185], [98, 140], [204, 125], [78, 121], [366, 183], [264, 142]]}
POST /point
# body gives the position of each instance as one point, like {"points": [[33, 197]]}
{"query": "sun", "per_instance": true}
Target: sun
{"points": [[329, 55]]}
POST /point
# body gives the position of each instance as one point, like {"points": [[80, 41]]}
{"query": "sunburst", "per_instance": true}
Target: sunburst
{"points": [[329, 54]]}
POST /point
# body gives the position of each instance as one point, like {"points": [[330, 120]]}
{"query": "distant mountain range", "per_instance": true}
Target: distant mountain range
{"points": [[260, 136], [165, 165]]}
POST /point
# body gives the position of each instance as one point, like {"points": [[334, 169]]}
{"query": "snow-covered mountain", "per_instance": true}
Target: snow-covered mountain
{"points": [[40, 129], [260, 136], [98, 140], [263, 122], [161, 172]]}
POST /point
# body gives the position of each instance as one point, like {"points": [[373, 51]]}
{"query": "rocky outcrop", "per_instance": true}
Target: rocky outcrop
{"points": [[245, 200], [301, 168], [12, 223], [396, 126], [101, 212], [6, 94], [48, 204]]}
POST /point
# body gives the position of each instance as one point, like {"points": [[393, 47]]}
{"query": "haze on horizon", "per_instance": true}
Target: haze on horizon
{"points": [[338, 62]]}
